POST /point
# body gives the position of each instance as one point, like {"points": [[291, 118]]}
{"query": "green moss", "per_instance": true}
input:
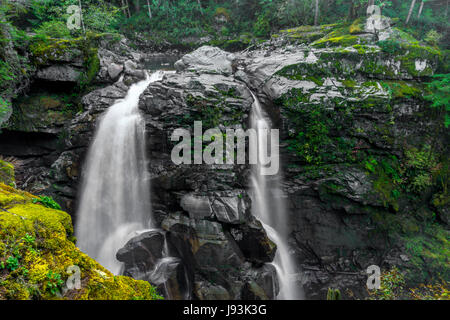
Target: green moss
{"points": [[40, 239], [47, 50], [349, 83], [313, 128], [92, 67], [429, 251], [7, 175], [356, 27], [42, 110], [402, 89], [387, 180], [408, 50], [342, 41], [364, 49]]}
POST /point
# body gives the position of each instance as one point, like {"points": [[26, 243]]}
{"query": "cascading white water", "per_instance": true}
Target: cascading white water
{"points": [[115, 199], [268, 206]]}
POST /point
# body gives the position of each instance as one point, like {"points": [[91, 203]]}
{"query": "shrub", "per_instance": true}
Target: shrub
{"points": [[440, 95], [261, 28], [391, 287], [222, 12], [47, 202], [432, 37], [12, 263], [54, 29], [54, 282], [5, 109]]}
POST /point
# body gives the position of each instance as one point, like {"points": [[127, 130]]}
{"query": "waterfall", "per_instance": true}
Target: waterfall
{"points": [[269, 207], [115, 197]]}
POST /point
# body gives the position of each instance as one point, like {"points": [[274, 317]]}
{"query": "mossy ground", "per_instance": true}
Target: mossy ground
{"points": [[7, 174], [36, 249]]}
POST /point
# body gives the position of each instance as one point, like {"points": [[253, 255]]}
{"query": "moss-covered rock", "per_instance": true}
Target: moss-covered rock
{"points": [[7, 175], [36, 250], [72, 60], [43, 112]]}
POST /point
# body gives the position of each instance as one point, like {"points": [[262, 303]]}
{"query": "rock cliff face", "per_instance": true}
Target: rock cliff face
{"points": [[360, 153]]}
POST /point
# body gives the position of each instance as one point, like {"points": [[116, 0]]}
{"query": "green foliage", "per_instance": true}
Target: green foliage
{"points": [[333, 294], [428, 251], [440, 95], [433, 37], [392, 286], [54, 282], [371, 164], [5, 110], [261, 27], [47, 202], [439, 291], [46, 16], [12, 263], [387, 179], [420, 164], [53, 29], [29, 239]]}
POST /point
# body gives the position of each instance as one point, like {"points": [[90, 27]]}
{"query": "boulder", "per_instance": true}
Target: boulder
{"points": [[144, 249], [207, 59], [198, 206], [114, 71]]}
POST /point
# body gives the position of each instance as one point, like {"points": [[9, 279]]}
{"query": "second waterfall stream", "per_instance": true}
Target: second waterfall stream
{"points": [[269, 207], [115, 201]]}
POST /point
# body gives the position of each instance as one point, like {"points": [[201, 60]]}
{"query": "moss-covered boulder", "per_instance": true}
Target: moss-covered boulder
{"points": [[38, 255], [66, 60], [43, 112]]}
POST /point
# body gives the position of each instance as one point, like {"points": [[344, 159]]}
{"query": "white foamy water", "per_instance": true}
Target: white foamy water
{"points": [[269, 207], [115, 198]]}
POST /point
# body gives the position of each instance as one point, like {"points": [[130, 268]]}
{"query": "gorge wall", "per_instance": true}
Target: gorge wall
{"points": [[360, 153]]}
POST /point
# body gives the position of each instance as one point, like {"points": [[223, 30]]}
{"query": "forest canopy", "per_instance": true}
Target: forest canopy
{"points": [[170, 19]]}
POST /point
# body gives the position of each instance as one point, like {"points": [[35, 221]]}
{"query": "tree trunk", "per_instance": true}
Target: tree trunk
{"points": [[420, 9], [123, 8], [316, 15], [350, 10], [149, 10], [200, 6], [137, 5], [81, 17], [411, 8]]}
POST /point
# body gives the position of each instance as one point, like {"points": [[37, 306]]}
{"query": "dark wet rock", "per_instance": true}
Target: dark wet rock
{"points": [[198, 207], [253, 242], [146, 248]]}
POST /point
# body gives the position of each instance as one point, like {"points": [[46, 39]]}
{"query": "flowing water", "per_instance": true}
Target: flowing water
{"points": [[269, 207], [115, 200]]}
